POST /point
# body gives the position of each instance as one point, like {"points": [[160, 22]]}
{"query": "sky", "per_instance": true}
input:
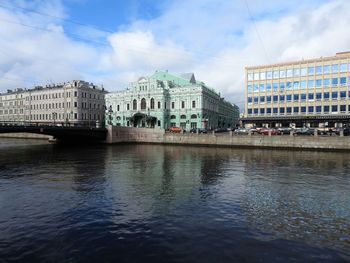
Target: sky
{"points": [[113, 43]]}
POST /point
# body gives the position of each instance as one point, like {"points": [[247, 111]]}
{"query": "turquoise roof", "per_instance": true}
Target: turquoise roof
{"points": [[184, 80]]}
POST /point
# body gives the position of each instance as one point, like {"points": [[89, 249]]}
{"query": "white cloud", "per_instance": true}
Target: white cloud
{"points": [[215, 40]]}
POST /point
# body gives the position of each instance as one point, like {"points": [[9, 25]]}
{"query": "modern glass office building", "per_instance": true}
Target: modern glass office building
{"points": [[164, 100], [302, 92]]}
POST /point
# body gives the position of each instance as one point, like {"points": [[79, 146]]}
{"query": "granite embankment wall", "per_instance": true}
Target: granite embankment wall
{"points": [[25, 135], [143, 135]]}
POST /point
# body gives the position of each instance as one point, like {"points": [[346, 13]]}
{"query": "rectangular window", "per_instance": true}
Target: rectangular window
{"points": [[268, 87], [268, 110], [311, 96], [281, 98], [269, 75], [275, 74], [268, 99], [296, 97], [117, 107], [282, 73], [275, 87], [281, 110], [296, 72], [326, 109], [311, 109], [289, 85], [256, 76], [342, 108], [335, 68], [303, 84], [318, 83], [296, 85], [326, 82], [311, 71], [303, 72], [334, 82], [311, 84], [255, 111], [303, 109], [343, 67], [182, 104], [249, 112], [193, 104], [319, 70], [289, 110], [334, 108], [76, 116], [262, 87], [250, 99], [318, 109], [262, 75], [250, 88], [256, 99], [318, 96], [296, 109], [334, 95], [250, 76], [128, 106], [343, 81], [289, 73], [256, 88], [282, 86], [303, 97], [326, 69], [75, 104], [326, 95], [159, 106], [262, 111], [343, 95], [289, 97], [262, 99], [173, 105], [275, 98], [275, 110]]}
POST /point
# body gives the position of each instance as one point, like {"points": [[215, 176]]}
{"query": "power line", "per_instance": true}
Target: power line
{"points": [[55, 17], [256, 30]]}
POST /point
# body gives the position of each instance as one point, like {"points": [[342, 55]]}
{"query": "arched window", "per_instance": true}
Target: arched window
{"points": [[134, 105], [143, 104], [152, 104], [183, 117], [193, 116], [172, 117]]}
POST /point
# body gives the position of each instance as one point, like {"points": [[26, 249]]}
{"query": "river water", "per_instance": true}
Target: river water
{"points": [[149, 203]]}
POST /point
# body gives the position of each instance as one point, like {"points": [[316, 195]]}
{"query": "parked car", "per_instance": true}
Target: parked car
{"points": [[219, 130], [241, 131], [200, 130], [346, 131], [267, 131], [285, 130], [304, 131], [175, 129]]}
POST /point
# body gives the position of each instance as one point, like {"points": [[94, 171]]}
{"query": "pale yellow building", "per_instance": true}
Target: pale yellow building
{"points": [[311, 92]]}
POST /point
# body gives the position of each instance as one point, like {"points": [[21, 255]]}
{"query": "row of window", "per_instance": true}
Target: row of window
{"points": [[310, 84], [59, 105], [143, 104], [63, 117], [299, 72], [59, 95], [303, 109], [193, 116], [300, 97]]}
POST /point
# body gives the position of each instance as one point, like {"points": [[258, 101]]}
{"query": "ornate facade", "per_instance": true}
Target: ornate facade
{"points": [[164, 100]]}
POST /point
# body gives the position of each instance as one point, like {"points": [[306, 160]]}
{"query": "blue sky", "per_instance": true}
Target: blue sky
{"points": [[115, 42]]}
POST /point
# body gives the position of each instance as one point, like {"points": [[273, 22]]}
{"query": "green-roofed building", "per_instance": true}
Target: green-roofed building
{"points": [[164, 100]]}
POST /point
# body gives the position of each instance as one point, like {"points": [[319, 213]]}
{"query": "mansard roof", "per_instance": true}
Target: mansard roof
{"points": [[180, 80]]}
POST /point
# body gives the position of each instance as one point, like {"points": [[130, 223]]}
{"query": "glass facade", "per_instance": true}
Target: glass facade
{"points": [[317, 86]]}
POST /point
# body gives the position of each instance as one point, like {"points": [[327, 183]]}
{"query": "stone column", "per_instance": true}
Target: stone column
{"points": [[341, 133], [315, 133]]}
